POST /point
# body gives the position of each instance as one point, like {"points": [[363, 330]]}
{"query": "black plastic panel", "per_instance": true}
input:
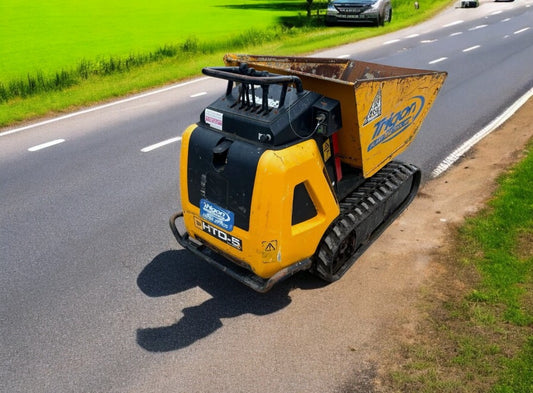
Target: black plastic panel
{"points": [[303, 208], [227, 182]]}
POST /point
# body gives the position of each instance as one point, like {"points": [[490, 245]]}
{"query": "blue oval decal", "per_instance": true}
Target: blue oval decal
{"points": [[397, 122], [216, 215]]}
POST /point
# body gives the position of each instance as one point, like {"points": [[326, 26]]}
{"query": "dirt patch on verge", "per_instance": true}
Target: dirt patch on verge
{"points": [[423, 235]]}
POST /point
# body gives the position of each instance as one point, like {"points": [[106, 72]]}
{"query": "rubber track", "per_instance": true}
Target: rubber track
{"points": [[368, 210]]}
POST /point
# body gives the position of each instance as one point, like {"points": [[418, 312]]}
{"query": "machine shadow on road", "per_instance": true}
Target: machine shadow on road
{"points": [[176, 271]]}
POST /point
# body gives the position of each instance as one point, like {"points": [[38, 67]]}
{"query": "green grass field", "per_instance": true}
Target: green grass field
{"points": [[50, 35], [64, 55]]}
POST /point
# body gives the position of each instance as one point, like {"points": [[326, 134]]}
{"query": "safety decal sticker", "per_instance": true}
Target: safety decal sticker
{"points": [[270, 246], [214, 118], [270, 251], [375, 109], [217, 215], [326, 150]]}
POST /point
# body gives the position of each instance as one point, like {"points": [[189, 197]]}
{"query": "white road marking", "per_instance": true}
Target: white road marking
{"points": [[477, 27], [498, 121], [343, 56], [47, 144], [506, 20], [453, 23], [97, 108], [456, 33], [391, 41], [160, 144], [471, 48], [521, 30], [427, 41], [413, 35], [203, 93], [496, 12], [438, 60]]}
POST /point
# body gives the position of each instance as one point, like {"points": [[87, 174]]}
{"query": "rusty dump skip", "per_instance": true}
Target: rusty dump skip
{"points": [[382, 106]]}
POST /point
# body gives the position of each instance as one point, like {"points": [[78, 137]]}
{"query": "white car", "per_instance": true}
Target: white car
{"points": [[350, 11]]}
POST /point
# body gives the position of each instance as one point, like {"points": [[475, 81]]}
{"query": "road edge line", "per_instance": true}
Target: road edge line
{"points": [[493, 125], [100, 107]]}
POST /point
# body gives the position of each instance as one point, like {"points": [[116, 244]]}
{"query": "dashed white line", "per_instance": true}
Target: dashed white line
{"points": [[45, 145], [453, 23], [427, 41], [496, 12], [413, 35], [521, 30], [477, 27], [160, 144], [203, 93], [97, 108], [438, 60], [461, 150], [471, 48], [456, 33], [391, 41], [343, 56], [506, 20]]}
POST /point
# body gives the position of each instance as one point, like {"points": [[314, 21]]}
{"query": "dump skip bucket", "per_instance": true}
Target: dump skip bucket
{"points": [[382, 106]]}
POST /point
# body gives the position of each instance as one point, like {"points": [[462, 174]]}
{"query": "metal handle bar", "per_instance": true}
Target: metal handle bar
{"points": [[244, 74]]}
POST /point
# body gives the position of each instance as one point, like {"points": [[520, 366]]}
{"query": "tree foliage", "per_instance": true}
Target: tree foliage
{"points": [[309, 5]]}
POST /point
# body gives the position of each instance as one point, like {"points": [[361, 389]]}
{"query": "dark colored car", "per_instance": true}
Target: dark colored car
{"points": [[469, 3], [350, 11]]}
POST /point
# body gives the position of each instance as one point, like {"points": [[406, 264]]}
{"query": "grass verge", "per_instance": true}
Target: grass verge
{"points": [[100, 80], [51, 35], [479, 336]]}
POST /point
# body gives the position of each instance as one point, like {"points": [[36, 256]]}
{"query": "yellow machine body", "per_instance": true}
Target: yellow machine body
{"points": [[272, 242], [382, 106], [292, 168]]}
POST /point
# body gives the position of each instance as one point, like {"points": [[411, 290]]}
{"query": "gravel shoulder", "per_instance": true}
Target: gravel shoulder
{"points": [[419, 239]]}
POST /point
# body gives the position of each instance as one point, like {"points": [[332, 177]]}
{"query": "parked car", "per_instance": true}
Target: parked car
{"points": [[350, 11], [469, 3]]}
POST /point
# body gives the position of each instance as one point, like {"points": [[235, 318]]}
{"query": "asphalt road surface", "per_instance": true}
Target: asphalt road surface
{"points": [[96, 295]]}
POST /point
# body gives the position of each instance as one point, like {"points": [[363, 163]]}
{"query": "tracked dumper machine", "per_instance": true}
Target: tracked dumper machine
{"points": [[291, 169]]}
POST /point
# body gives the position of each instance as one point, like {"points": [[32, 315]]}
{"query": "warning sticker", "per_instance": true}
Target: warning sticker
{"points": [[375, 109], [270, 251], [270, 246], [326, 150], [213, 118]]}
